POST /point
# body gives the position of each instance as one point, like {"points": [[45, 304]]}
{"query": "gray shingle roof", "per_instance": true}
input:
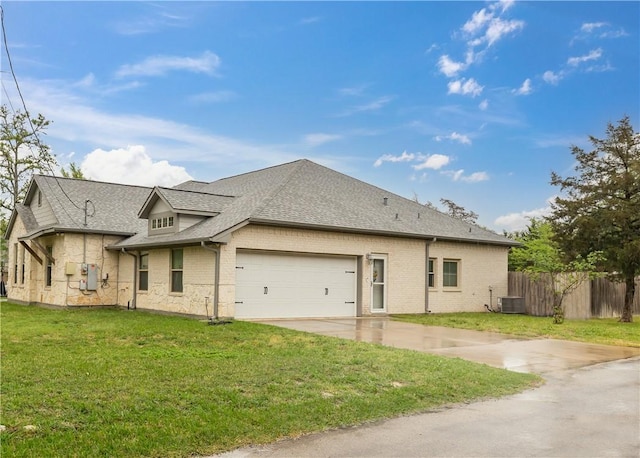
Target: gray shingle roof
{"points": [[113, 208], [194, 201], [305, 194]]}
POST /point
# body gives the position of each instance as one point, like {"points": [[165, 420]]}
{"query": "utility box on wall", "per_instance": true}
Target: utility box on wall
{"points": [[92, 277]]}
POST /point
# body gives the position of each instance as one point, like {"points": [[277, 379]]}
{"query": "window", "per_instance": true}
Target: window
{"points": [[176, 270], [23, 266], [15, 264], [143, 272], [450, 273], [39, 198], [432, 273], [163, 224], [49, 267]]}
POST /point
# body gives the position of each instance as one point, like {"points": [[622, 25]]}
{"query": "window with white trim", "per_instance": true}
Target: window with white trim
{"points": [[432, 272], [451, 273], [176, 270], [22, 274], [143, 272], [48, 271]]}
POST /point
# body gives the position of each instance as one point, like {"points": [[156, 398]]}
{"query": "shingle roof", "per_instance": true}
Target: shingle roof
{"points": [[194, 201], [112, 208], [306, 194]]}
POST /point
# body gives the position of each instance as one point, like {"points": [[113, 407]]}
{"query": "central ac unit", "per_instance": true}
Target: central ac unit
{"points": [[512, 304]]}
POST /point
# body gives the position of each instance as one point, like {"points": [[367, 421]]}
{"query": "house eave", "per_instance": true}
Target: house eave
{"points": [[351, 230], [70, 230]]}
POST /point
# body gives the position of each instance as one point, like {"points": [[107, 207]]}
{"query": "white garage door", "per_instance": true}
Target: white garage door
{"points": [[287, 286]]}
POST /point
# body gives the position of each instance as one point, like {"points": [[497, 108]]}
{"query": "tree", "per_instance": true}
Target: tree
{"points": [[22, 154], [537, 243], [541, 257], [599, 209], [459, 212], [74, 172]]}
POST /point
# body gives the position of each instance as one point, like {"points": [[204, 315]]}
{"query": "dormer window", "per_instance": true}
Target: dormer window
{"points": [[162, 223]]}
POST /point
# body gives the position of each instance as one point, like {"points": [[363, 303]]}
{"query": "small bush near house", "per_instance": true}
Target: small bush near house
{"points": [[118, 383], [607, 331]]}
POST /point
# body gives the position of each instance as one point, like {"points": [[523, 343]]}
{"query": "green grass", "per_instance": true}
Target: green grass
{"points": [[606, 331], [119, 383]]}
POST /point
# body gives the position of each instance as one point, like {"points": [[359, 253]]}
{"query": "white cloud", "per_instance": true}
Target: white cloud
{"points": [[213, 97], [353, 91], [520, 220], [78, 123], [525, 89], [594, 54], [484, 105], [309, 20], [591, 26], [478, 21], [161, 16], [320, 138], [455, 136], [458, 175], [131, 165], [374, 105], [404, 157], [449, 67], [485, 27], [207, 63], [499, 28], [465, 87], [552, 77], [433, 161]]}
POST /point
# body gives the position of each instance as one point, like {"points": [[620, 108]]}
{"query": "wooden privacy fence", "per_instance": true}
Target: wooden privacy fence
{"points": [[598, 298]]}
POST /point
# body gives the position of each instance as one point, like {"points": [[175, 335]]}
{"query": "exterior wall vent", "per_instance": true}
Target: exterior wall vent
{"points": [[385, 201]]}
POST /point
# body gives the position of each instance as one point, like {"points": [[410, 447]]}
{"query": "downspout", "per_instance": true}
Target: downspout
{"points": [[135, 276], [426, 283], [216, 279]]}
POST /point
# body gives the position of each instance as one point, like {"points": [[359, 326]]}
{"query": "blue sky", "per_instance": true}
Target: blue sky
{"points": [[476, 102]]}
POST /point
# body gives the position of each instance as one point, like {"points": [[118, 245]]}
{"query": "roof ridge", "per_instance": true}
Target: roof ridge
{"points": [[265, 202], [193, 191], [256, 171], [89, 181]]}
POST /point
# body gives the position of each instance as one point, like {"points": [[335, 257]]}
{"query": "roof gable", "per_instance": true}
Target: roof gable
{"points": [[86, 205], [186, 202]]}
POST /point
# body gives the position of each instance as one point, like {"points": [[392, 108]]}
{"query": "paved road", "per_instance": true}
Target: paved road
{"points": [[589, 406], [589, 412]]}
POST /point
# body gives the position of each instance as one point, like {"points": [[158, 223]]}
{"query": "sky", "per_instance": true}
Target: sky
{"points": [[475, 102]]}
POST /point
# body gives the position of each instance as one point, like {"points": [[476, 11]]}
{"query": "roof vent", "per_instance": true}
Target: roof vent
{"points": [[385, 200]]}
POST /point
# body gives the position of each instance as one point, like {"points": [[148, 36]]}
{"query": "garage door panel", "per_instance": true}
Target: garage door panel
{"points": [[297, 286]]}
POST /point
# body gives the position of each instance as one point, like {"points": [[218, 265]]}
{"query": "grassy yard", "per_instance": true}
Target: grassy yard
{"points": [[606, 331], [119, 383]]}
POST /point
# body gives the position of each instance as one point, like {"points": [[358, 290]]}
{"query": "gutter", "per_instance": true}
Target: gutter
{"points": [[135, 276], [216, 280]]}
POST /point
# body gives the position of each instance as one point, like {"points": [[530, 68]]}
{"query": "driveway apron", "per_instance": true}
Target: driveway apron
{"points": [[588, 407]]}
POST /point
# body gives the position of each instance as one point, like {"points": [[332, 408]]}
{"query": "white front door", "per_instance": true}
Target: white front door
{"points": [[378, 283]]}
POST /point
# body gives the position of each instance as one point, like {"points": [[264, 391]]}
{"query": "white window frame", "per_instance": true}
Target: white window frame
{"points": [[446, 275]]}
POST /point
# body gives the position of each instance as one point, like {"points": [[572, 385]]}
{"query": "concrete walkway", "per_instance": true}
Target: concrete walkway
{"points": [[589, 407]]}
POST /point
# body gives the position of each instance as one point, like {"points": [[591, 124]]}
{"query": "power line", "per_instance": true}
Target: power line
{"points": [[33, 130]]}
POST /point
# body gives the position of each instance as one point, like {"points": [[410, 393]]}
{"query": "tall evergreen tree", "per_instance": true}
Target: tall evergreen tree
{"points": [[599, 209]]}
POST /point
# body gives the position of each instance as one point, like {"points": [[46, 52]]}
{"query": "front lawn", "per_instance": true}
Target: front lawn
{"points": [[606, 331], [123, 383]]}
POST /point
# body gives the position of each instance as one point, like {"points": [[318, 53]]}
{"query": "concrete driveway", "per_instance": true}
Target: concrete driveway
{"points": [[538, 356], [589, 407]]}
